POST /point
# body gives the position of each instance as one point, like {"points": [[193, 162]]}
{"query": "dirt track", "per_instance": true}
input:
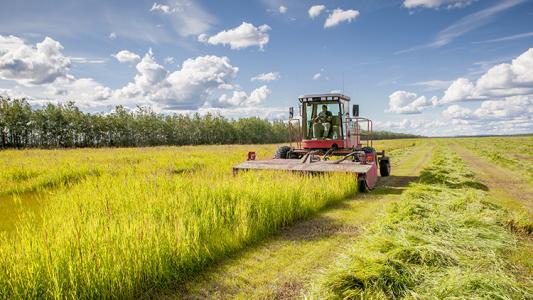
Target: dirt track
{"points": [[503, 182], [287, 265]]}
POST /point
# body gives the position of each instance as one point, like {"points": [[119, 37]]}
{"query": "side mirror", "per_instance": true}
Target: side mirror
{"points": [[355, 110], [291, 112]]}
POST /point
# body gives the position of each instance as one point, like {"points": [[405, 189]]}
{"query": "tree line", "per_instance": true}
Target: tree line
{"points": [[65, 125], [387, 135]]}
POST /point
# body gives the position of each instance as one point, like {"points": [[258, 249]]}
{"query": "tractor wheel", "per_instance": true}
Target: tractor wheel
{"points": [[283, 152], [384, 167], [361, 185]]}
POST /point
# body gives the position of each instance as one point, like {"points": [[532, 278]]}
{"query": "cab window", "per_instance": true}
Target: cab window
{"points": [[313, 109]]}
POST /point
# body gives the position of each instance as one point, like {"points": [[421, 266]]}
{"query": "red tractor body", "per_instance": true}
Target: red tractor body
{"points": [[325, 130]]}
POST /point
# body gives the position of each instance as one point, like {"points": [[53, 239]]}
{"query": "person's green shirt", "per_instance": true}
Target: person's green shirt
{"points": [[325, 117]]}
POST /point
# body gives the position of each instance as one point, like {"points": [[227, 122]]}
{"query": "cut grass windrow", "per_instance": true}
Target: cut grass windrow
{"points": [[442, 239]]}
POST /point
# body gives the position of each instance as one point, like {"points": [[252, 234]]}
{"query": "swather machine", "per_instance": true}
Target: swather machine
{"points": [[325, 138]]}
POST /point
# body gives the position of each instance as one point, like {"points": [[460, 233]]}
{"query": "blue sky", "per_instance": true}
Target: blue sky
{"points": [[433, 67]]}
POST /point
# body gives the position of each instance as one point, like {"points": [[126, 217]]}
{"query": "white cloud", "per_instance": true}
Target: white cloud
{"points": [[86, 91], [228, 86], [510, 115], [240, 98], [457, 112], [196, 86], [12, 93], [259, 95], [317, 76], [112, 36], [203, 38], [44, 68], [502, 80], [517, 74], [499, 82], [162, 8], [86, 60], [271, 76], [187, 17], [126, 56], [169, 60], [434, 84], [10, 44], [506, 92], [27, 64], [461, 121], [338, 16], [507, 38], [149, 74], [187, 88], [461, 89], [243, 36], [437, 3], [508, 109], [403, 102], [315, 10], [283, 9], [471, 22], [466, 25]]}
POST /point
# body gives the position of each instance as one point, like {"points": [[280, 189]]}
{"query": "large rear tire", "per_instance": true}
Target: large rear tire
{"points": [[361, 185], [384, 167], [283, 152]]}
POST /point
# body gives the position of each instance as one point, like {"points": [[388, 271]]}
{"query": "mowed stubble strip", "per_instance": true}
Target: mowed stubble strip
{"points": [[289, 264]]}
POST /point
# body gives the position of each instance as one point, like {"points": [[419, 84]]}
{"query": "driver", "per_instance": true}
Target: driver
{"points": [[324, 119]]}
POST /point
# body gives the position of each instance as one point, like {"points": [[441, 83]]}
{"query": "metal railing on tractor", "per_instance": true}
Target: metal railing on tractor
{"points": [[354, 123], [295, 133]]}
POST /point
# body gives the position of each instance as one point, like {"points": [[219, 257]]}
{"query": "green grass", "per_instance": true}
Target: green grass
{"points": [[444, 239], [513, 153], [288, 264], [149, 220], [128, 223]]}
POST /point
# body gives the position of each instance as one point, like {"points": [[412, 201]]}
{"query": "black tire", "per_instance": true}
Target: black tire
{"points": [[282, 152], [361, 185], [384, 167]]}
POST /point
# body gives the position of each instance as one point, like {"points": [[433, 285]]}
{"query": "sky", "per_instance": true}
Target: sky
{"points": [[429, 67]]}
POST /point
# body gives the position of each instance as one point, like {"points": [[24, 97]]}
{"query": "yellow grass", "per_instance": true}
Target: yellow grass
{"points": [[120, 222]]}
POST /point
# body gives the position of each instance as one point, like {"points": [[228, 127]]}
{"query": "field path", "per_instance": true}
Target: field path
{"points": [[501, 182], [287, 265]]}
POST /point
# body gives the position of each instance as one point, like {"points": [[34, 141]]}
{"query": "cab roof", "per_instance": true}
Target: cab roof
{"points": [[323, 97]]}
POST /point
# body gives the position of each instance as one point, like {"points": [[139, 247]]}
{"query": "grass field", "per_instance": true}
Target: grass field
{"points": [[126, 223], [513, 153], [443, 240]]}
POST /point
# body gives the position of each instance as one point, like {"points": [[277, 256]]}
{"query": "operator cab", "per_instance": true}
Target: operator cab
{"points": [[322, 120]]}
